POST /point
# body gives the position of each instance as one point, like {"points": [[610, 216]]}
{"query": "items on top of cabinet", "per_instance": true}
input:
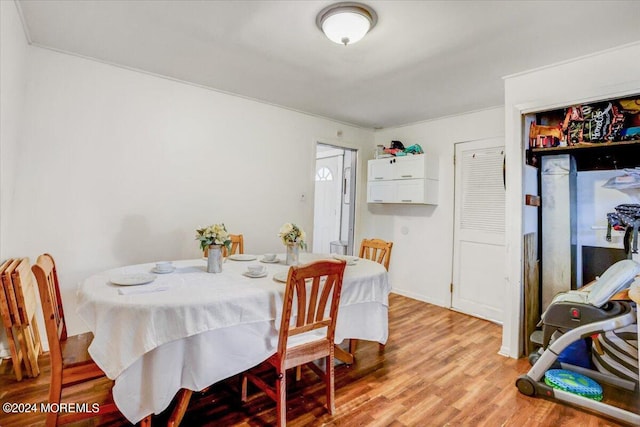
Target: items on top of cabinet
{"points": [[397, 148]]}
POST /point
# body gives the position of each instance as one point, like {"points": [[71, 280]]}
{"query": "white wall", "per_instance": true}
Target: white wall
{"points": [[609, 74], [120, 167], [13, 54], [422, 255]]}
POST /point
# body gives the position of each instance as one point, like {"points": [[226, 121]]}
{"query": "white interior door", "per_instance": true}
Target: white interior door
{"points": [[327, 203], [478, 254]]}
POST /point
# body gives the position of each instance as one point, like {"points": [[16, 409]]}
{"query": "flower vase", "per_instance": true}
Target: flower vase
{"points": [[214, 259], [293, 253]]}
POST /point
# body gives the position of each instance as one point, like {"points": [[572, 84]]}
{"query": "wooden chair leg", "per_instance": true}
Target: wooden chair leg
{"points": [[281, 403], [243, 388], [14, 351], [55, 393], [146, 422], [352, 345], [24, 351], [33, 350], [298, 372], [329, 383], [52, 419], [342, 355], [183, 398]]}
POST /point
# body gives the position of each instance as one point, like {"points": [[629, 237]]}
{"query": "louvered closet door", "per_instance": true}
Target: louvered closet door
{"points": [[478, 254]]}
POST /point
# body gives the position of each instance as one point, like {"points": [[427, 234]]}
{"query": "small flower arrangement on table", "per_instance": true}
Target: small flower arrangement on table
{"points": [[293, 238], [215, 234], [292, 234], [211, 239]]}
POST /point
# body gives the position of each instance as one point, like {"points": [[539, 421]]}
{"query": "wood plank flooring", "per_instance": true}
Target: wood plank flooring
{"points": [[439, 368]]}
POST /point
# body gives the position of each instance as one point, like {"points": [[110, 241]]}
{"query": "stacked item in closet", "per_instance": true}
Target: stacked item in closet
{"points": [[626, 217]]}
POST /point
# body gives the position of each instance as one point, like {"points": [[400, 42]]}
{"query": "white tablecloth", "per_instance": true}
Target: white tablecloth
{"points": [[200, 328]]}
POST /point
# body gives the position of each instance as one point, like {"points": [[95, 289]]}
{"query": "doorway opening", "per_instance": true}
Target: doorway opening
{"points": [[334, 199]]}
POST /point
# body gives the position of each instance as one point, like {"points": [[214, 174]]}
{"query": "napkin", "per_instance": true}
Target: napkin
{"points": [[142, 289]]}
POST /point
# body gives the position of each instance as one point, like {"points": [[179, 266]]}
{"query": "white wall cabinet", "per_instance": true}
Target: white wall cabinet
{"points": [[411, 179]]}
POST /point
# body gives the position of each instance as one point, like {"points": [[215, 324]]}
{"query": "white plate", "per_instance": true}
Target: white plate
{"points": [[281, 276], [275, 261], [242, 257], [133, 279], [171, 270], [255, 276]]}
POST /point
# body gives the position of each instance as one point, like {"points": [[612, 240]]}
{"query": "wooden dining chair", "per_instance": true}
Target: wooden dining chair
{"points": [[70, 360], [376, 250], [379, 251], [307, 334]]}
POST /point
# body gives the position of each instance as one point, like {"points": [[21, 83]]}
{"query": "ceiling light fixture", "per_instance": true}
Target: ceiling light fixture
{"points": [[347, 22]]}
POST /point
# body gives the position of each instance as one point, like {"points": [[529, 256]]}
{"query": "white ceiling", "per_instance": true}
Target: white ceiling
{"points": [[424, 59]]}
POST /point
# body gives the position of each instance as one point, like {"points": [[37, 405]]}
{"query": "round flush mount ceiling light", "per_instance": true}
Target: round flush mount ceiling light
{"points": [[347, 22]]}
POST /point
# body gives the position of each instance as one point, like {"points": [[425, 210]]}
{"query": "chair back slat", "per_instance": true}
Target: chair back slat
{"points": [[376, 250], [313, 301], [326, 293], [300, 287], [319, 280]]}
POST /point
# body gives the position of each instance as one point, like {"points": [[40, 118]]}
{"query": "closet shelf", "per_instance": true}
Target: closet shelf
{"points": [[592, 156], [583, 146]]}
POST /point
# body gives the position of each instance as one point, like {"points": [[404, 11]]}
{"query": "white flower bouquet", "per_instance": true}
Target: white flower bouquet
{"points": [[215, 234], [291, 233]]}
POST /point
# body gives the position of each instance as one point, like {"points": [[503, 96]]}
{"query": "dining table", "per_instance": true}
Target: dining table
{"points": [[157, 333]]}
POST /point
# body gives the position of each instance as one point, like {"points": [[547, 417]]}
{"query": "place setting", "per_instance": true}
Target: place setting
{"points": [[138, 283], [270, 259], [133, 279], [255, 271], [163, 267]]}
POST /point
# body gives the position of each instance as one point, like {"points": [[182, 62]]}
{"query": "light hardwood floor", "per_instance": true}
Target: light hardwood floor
{"points": [[439, 368]]}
